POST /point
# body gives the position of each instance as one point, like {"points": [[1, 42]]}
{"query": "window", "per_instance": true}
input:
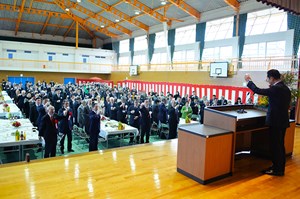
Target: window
{"points": [[217, 53], [84, 60], [159, 58], [124, 46], [50, 58], [219, 29], [160, 40], [264, 49], [275, 48], [140, 43], [10, 56], [266, 21], [184, 55], [255, 50], [124, 60], [139, 59], [185, 35]]}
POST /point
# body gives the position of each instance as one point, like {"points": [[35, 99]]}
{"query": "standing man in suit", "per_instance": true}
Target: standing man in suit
{"points": [[134, 117], [145, 121], [49, 130], [277, 117], [66, 125], [173, 120], [94, 128]]}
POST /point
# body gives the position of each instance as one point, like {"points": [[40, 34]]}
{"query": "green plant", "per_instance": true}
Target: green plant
{"points": [[291, 80]]}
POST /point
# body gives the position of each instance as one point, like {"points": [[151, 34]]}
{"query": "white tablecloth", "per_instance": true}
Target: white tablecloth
{"points": [[111, 128], [7, 99], [14, 111], [182, 122], [7, 133]]}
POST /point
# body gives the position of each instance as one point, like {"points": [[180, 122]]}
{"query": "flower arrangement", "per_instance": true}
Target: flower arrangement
{"points": [[263, 101], [16, 124], [121, 126], [6, 107], [187, 119]]}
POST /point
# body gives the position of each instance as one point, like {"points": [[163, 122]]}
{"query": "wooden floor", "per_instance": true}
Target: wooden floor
{"points": [[144, 171]]}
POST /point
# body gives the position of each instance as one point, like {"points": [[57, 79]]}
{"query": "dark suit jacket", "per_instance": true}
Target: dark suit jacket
{"points": [[34, 114], [66, 124], [162, 113], [145, 118], [134, 122], [279, 102], [48, 129], [94, 128]]}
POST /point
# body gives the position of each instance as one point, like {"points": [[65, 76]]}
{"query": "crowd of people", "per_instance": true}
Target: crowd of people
{"points": [[55, 108]]}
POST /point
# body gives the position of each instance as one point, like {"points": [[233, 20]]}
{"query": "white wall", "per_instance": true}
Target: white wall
{"points": [[68, 59]]}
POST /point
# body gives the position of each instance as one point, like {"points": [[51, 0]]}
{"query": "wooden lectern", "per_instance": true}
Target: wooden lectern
{"points": [[206, 152]]}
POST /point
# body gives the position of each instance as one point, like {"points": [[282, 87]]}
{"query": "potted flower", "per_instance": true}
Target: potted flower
{"points": [[291, 80], [16, 124]]}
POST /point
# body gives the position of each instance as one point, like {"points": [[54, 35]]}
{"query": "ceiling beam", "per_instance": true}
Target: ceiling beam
{"points": [[82, 22], [88, 31], [15, 3], [121, 15], [144, 8], [30, 5], [99, 18], [58, 27], [45, 24], [35, 11], [46, 2], [186, 8], [233, 3], [67, 32], [37, 23], [19, 16]]}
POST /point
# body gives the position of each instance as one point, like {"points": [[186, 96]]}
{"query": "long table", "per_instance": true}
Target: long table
{"points": [[110, 127], [14, 111], [7, 135]]}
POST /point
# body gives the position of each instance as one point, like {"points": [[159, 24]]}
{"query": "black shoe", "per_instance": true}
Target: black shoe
{"points": [[274, 173], [71, 151], [267, 169]]}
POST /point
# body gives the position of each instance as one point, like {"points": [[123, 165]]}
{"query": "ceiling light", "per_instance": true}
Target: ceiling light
{"points": [[163, 2], [117, 20], [137, 12], [102, 26], [78, 1], [67, 9]]}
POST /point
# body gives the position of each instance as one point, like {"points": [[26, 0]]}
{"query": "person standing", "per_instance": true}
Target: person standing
{"points": [[66, 125], [145, 121], [173, 120], [94, 128], [277, 117], [49, 130]]}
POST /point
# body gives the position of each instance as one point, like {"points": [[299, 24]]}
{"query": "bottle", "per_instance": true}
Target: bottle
{"points": [[22, 135], [17, 135], [27, 157]]}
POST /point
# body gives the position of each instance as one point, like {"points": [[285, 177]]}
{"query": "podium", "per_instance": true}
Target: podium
{"points": [[206, 152]]}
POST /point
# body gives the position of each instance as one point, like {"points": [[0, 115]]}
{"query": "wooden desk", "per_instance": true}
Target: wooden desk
{"points": [[248, 132], [204, 152]]}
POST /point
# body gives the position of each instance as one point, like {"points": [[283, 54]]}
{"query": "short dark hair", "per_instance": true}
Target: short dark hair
{"points": [[273, 73]]}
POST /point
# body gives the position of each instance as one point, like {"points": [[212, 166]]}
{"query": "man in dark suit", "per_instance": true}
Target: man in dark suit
{"points": [[34, 113], [66, 125], [94, 128], [145, 121], [134, 116], [173, 120], [163, 111], [49, 130], [277, 117]]}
